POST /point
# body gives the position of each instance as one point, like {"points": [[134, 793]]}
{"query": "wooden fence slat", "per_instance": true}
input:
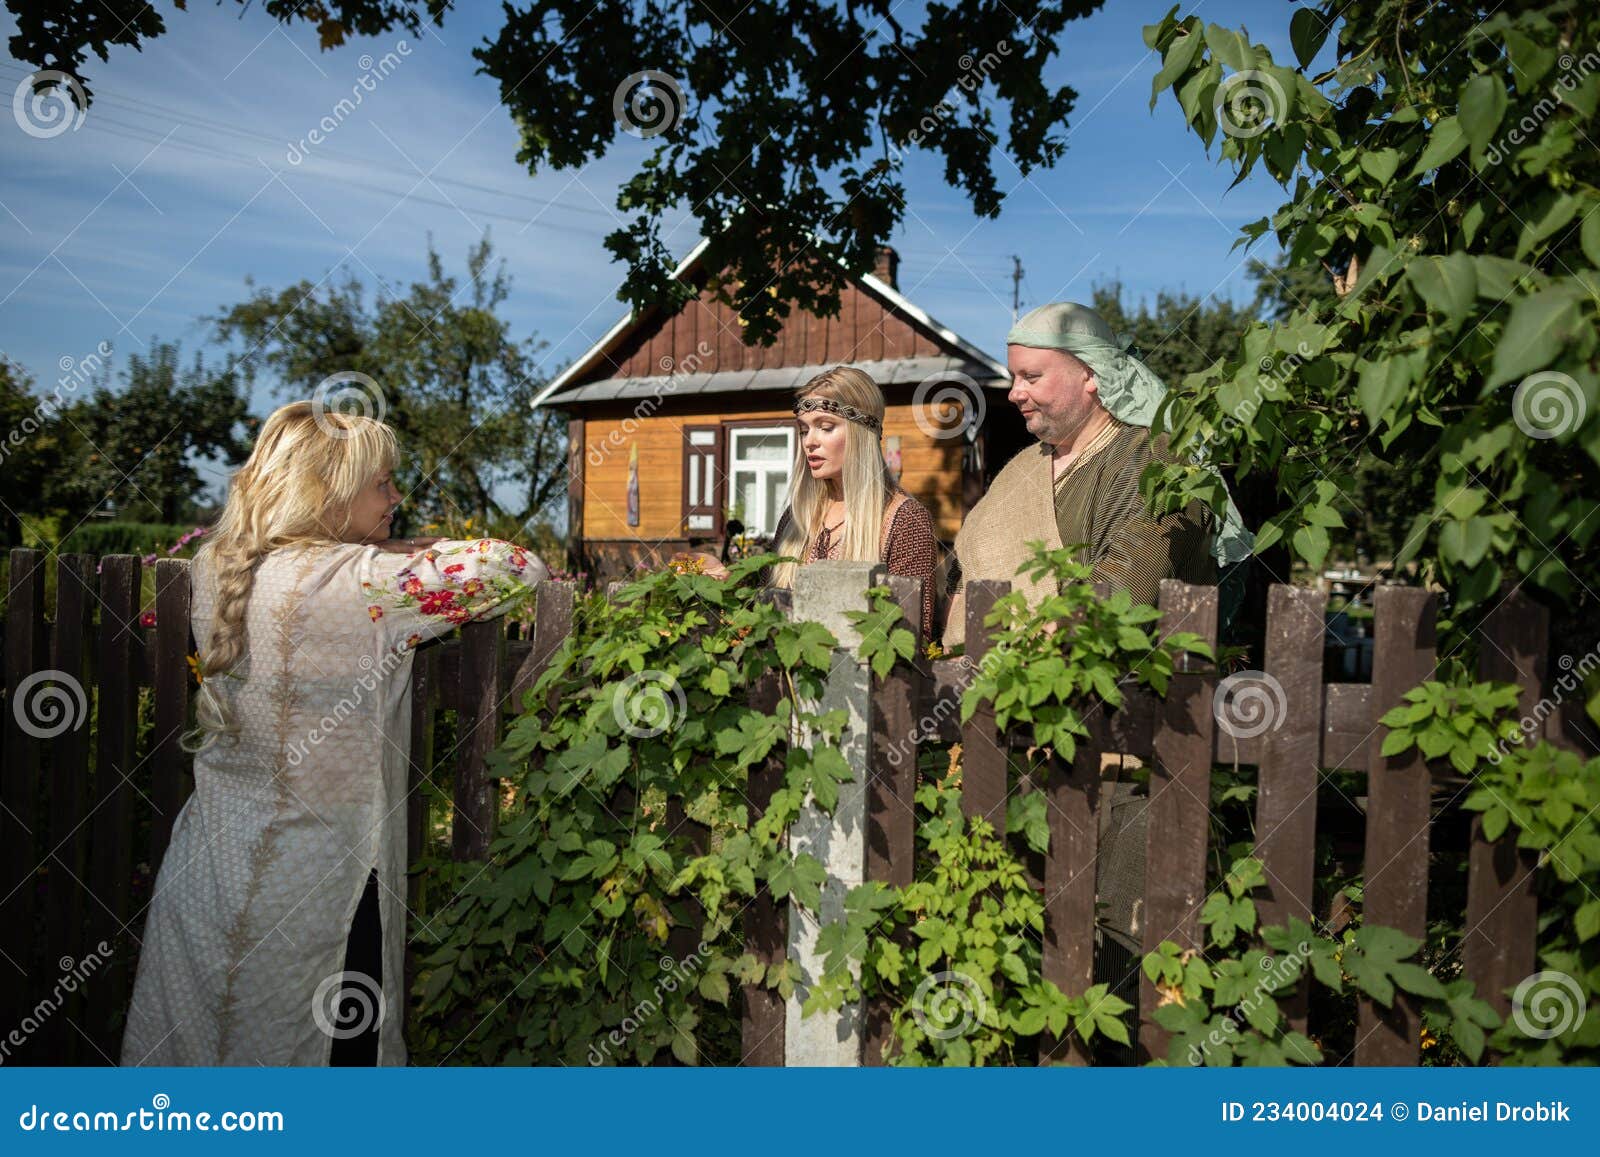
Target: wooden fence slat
{"points": [[1287, 778], [1180, 798], [983, 754], [33, 709], [476, 791], [1498, 943], [419, 802], [892, 785], [1073, 799], [1396, 858], [766, 924], [170, 763], [552, 623], [69, 800], [116, 796]]}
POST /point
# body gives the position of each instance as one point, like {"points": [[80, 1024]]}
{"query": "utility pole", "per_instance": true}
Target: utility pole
{"points": [[1016, 285]]}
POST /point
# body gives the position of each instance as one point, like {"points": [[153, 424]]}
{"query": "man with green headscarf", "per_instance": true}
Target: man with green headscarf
{"points": [[1091, 403]]}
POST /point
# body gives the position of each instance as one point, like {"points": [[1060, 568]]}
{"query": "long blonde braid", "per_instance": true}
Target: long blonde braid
{"points": [[307, 466]]}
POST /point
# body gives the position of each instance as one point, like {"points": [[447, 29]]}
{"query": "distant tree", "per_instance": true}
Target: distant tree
{"points": [[457, 387], [29, 449], [136, 448]]}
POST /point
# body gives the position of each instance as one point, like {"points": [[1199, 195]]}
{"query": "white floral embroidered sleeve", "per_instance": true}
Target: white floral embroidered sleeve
{"points": [[420, 596]]}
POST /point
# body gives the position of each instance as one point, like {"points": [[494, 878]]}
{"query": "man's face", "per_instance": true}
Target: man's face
{"points": [[1054, 391]]}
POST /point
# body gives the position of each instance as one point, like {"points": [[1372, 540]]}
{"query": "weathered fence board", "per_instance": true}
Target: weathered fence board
{"points": [[1498, 945], [1180, 798], [1286, 800], [1398, 797]]}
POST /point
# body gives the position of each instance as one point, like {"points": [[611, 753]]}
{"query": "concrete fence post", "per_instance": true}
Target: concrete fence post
{"points": [[823, 592]]}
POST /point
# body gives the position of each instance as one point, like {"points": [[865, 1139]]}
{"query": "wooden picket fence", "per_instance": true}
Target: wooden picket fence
{"points": [[81, 808]]}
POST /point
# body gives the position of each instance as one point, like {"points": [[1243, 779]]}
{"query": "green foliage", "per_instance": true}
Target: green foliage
{"points": [[1055, 659], [1459, 721], [629, 855], [882, 642], [1440, 170], [1550, 799], [1222, 1006], [957, 952]]}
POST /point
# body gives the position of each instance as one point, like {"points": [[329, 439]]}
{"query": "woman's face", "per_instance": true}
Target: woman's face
{"points": [[372, 512], [822, 440]]}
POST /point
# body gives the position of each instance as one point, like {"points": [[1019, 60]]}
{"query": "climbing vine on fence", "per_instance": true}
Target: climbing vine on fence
{"points": [[605, 927]]}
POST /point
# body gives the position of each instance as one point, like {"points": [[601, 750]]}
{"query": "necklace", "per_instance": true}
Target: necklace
{"points": [[825, 539]]}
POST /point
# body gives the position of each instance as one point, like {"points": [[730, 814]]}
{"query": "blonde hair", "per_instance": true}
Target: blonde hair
{"points": [[865, 479], [307, 467]]}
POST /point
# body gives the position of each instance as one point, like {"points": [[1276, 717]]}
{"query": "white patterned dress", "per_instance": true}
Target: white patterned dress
{"points": [[247, 928]]}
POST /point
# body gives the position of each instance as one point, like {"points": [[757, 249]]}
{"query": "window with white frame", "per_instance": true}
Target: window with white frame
{"points": [[760, 459]]}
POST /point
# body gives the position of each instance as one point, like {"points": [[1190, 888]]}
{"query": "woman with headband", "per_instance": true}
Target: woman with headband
{"points": [[843, 504]]}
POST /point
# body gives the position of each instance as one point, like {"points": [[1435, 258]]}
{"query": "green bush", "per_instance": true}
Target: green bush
{"points": [[141, 538]]}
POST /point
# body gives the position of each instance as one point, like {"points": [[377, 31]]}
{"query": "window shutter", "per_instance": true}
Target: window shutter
{"points": [[702, 481]]}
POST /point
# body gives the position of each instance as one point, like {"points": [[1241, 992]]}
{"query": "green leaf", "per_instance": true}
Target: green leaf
{"points": [[1538, 329], [1308, 28], [714, 986], [1447, 285], [1380, 164], [1589, 234], [1418, 981], [1311, 544], [1483, 103], [1444, 142], [1466, 542], [1230, 47]]}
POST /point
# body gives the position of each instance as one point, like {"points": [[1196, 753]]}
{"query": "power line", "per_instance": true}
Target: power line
{"points": [[325, 155]]}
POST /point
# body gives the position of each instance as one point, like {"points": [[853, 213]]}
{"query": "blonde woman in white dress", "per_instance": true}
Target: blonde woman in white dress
{"points": [[306, 614]]}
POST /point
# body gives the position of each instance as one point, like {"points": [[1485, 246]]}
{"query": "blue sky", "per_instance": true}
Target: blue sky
{"points": [[177, 185]]}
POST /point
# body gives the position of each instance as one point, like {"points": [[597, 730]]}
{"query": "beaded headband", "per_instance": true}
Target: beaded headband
{"points": [[844, 409]]}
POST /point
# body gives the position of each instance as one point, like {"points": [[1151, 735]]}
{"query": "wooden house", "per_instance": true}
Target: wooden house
{"points": [[677, 427]]}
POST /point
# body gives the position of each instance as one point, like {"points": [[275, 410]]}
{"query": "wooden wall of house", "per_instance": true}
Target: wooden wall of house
{"points": [[706, 337], [930, 468]]}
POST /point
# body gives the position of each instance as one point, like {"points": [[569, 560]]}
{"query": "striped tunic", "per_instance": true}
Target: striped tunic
{"points": [[1097, 503]]}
